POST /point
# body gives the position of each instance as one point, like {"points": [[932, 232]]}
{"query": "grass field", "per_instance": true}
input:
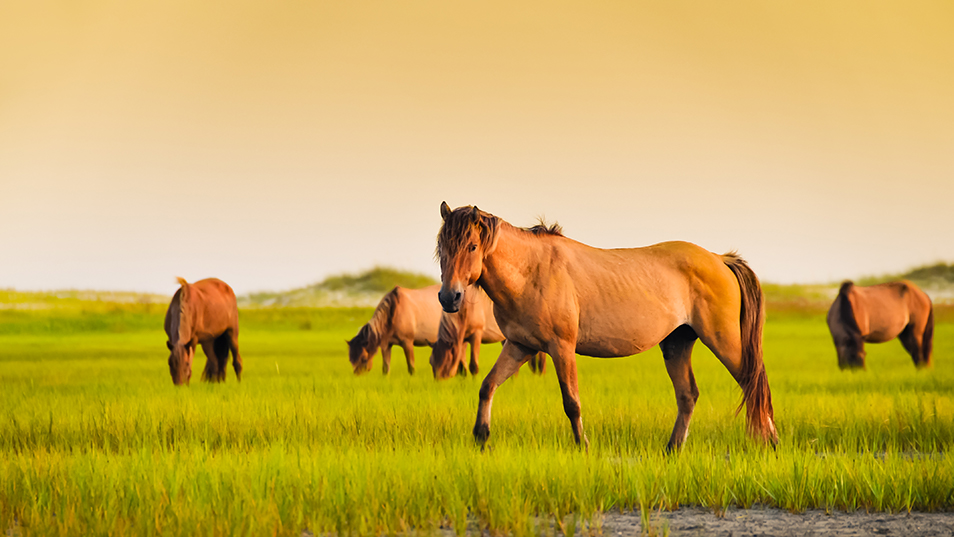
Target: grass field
{"points": [[95, 439]]}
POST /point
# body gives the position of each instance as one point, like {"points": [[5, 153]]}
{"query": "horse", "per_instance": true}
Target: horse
{"points": [[560, 296], [204, 312], [404, 317], [880, 313], [474, 323]]}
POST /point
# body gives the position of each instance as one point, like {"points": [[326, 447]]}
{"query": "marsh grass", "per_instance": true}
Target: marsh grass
{"points": [[95, 440]]}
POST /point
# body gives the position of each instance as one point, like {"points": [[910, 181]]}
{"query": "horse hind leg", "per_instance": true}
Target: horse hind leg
{"points": [[912, 343], [677, 352], [237, 363], [222, 354]]}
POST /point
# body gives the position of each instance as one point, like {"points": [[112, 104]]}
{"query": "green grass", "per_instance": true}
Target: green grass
{"points": [[95, 439]]}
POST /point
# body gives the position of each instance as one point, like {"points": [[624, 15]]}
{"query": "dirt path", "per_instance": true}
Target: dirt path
{"points": [[692, 521]]}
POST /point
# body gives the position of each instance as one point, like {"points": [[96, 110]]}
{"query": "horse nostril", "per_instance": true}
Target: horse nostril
{"points": [[457, 297]]}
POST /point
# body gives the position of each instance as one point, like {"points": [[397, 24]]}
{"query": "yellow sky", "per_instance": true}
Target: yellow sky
{"points": [[274, 143]]}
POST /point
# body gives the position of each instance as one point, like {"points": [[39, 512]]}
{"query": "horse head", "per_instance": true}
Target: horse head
{"points": [[361, 351], [183, 350], [180, 361], [466, 237], [445, 357]]}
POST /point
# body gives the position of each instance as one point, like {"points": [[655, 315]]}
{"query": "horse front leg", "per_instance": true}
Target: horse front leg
{"points": [[564, 361], [211, 371], [408, 347], [386, 358], [512, 356], [459, 357], [475, 352]]}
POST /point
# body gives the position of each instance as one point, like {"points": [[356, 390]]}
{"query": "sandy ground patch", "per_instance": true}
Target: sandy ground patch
{"points": [[692, 521]]}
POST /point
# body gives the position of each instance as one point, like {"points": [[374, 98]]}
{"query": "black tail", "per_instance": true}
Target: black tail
{"points": [[757, 396], [927, 340], [850, 344]]}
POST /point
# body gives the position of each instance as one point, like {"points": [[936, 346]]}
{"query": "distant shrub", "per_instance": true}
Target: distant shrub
{"points": [[377, 280]]}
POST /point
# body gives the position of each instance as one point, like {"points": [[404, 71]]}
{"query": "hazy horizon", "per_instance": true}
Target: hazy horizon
{"points": [[272, 146]]}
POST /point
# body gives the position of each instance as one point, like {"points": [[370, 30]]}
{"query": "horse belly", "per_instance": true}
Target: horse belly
{"points": [[885, 324], [612, 338], [884, 334]]}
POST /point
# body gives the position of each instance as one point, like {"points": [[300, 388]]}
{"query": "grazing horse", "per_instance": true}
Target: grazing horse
{"points": [[204, 312], [405, 317], [474, 323], [563, 297], [881, 313]]}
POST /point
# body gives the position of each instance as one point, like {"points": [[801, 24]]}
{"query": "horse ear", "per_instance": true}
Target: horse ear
{"points": [[445, 210], [348, 341], [476, 211]]}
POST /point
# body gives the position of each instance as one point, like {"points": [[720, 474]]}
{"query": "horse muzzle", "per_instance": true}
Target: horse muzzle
{"points": [[450, 299]]}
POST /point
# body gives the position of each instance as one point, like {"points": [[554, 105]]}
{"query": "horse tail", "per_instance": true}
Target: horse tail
{"points": [[538, 363], [847, 317], [927, 339], [757, 396]]}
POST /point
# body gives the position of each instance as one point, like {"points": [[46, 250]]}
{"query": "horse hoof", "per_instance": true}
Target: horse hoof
{"points": [[481, 433]]}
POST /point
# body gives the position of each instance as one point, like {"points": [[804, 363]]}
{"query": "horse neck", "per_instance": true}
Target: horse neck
{"points": [[503, 275], [184, 319], [380, 324]]}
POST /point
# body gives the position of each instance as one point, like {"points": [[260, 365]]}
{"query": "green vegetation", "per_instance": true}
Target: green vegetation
{"points": [[95, 439], [364, 289], [928, 275]]}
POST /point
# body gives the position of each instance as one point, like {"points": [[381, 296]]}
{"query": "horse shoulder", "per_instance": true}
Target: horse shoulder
{"points": [[861, 301]]}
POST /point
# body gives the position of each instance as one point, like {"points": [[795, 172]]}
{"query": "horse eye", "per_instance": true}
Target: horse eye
{"points": [[473, 248]]}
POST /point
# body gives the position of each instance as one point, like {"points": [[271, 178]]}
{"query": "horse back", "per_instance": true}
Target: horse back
{"points": [[216, 307], [630, 299], [417, 315], [884, 310]]}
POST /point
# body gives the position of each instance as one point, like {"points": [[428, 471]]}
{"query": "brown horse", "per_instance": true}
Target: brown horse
{"points": [[473, 323], [881, 313], [404, 317], [204, 312], [557, 295]]}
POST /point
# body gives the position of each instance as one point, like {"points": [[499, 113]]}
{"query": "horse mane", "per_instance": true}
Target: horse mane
{"points": [[847, 314], [371, 333], [454, 230], [181, 314], [542, 228]]}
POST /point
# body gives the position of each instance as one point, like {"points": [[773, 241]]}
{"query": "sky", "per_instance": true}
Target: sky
{"points": [[272, 144]]}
